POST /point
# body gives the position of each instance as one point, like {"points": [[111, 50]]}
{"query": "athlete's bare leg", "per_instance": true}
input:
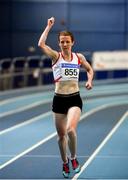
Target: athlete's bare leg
{"points": [[61, 127], [73, 117], [66, 125]]}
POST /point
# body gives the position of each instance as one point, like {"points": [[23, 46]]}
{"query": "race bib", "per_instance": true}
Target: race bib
{"points": [[70, 71]]}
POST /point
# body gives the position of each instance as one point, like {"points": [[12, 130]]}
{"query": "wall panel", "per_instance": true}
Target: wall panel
{"points": [[5, 45], [126, 16], [97, 17], [5, 16], [99, 1], [33, 16], [126, 40], [23, 41], [96, 24], [98, 41]]}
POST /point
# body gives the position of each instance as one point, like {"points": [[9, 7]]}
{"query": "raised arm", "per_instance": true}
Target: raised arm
{"points": [[89, 70], [42, 41]]}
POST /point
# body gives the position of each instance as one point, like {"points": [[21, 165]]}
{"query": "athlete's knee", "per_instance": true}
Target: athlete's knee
{"points": [[71, 131], [61, 136]]}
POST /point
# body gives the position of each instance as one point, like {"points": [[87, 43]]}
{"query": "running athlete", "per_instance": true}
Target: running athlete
{"points": [[67, 103]]}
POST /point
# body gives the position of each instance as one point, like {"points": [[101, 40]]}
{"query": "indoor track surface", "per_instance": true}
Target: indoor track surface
{"points": [[28, 140]]}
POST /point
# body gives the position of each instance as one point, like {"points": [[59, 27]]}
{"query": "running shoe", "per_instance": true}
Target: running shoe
{"points": [[75, 165], [66, 170]]}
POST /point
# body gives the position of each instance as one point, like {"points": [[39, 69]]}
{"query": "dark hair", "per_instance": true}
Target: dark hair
{"points": [[66, 33]]}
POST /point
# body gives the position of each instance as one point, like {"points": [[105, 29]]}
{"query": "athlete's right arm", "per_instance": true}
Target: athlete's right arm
{"points": [[42, 41]]}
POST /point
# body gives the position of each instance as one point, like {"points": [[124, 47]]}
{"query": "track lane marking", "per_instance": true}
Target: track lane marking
{"points": [[94, 90], [50, 112], [25, 108], [28, 150], [101, 145], [37, 118], [51, 136]]}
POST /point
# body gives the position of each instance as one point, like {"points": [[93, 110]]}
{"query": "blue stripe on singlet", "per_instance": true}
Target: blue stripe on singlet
{"points": [[67, 65]]}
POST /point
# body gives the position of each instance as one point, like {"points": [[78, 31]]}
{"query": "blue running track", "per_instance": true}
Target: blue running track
{"points": [[28, 139]]}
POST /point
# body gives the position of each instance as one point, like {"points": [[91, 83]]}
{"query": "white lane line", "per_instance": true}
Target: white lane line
{"points": [[24, 97], [36, 145], [58, 156], [50, 113], [95, 90], [28, 89], [103, 89], [37, 118], [101, 107], [33, 105], [28, 150], [25, 108], [49, 137], [101, 145], [90, 94]]}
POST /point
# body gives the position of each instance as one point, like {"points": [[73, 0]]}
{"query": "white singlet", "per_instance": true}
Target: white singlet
{"points": [[65, 70]]}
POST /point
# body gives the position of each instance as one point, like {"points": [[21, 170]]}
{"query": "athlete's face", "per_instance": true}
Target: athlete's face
{"points": [[65, 42]]}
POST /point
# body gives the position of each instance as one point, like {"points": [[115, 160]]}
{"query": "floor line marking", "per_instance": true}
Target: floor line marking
{"points": [[25, 108], [58, 156], [28, 150], [101, 145], [46, 139], [30, 106], [32, 91], [49, 112], [103, 106], [40, 102], [23, 153], [23, 97], [96, 91], [37, 118]]}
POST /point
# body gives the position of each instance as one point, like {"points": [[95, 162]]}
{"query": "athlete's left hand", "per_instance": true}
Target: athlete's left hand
{"points": [[88, 85]]}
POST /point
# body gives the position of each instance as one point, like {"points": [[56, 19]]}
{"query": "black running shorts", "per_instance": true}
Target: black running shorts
{"points": [[62, 102]]}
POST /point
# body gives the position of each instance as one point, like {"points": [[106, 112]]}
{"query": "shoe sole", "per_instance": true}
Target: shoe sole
{"points": [[66, 175], [78, 169]]}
